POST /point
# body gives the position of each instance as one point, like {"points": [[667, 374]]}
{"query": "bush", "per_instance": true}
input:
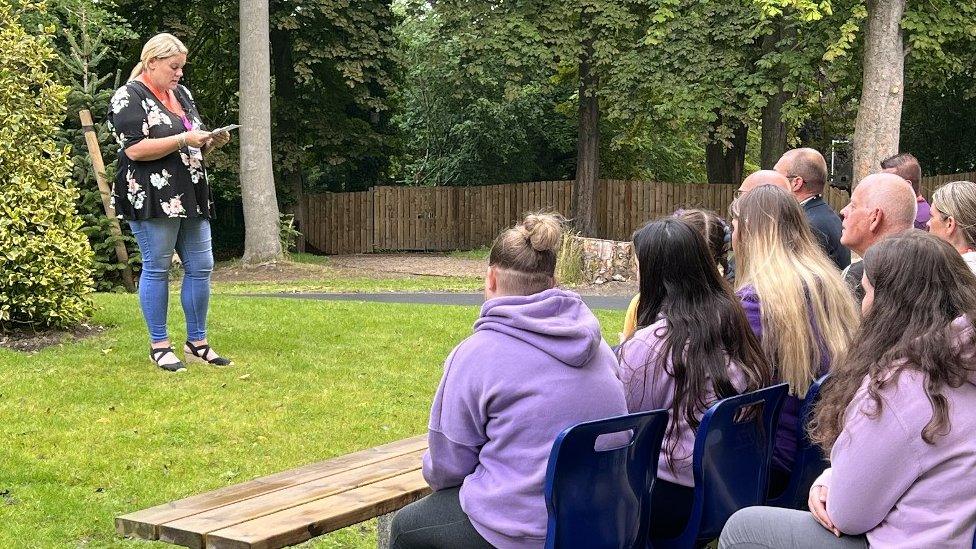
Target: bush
{"points": [[45, 260]]}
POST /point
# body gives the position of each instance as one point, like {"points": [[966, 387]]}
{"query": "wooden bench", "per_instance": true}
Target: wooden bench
{"points": [[290, 507]]}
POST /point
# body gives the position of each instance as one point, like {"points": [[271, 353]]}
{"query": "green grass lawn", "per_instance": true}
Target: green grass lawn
{"points": [[92, 430]]}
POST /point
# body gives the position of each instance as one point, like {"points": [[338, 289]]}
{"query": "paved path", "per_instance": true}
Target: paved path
{"points": [[441, 298]]}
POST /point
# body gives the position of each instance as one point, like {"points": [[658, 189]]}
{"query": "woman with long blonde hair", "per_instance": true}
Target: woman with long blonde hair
{"points": [[953, 218], [795, 299]]}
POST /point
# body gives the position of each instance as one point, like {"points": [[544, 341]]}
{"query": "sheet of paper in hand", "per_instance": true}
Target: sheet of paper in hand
{"points": [[225, 129]]}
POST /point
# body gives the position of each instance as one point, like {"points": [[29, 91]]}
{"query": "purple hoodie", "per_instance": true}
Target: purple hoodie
{"points": [[534, 366], [650, 387], [784, 448], [887, 482]]}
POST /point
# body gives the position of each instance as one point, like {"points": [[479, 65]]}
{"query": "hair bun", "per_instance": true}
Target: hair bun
{"points": [[543, 231]]}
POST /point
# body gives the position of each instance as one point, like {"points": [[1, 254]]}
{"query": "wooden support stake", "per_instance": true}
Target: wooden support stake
{"points": [[103, 188]]}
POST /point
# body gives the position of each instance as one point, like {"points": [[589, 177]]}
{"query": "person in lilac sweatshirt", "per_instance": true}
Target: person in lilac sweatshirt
{"points": [[535, 365], [796, 301], [896, 416], [693, 346]]}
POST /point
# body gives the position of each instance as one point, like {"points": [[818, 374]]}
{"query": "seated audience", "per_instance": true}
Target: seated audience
{"points": [[535, 365], [796, 302], [881, 205], [717, 235], [806, 171], [693, 348], [906, 166], [953, 218], [895, 416]]}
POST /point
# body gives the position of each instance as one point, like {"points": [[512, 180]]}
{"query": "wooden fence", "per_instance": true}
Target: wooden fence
{"points": [[457, 218]]}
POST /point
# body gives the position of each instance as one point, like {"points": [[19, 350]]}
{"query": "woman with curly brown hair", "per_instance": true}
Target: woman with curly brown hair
{"points": [[896, 415]]}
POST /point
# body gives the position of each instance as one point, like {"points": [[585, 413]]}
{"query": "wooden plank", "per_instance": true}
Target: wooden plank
{"points": [[192, 531], [304, 522], [145, 523]]}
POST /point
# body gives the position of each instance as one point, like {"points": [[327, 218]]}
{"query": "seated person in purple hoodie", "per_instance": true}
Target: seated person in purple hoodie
{"points": [[796, 300], [693, 346], [535, 365], [896, 416]]}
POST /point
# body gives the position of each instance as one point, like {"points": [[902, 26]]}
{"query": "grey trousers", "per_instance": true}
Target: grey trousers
{"points": [[775, 528], [435, 522]]}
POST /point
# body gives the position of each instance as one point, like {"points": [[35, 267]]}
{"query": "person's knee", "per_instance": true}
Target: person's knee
{"points": [[156, 265], [400, 524], [741, 527], [199, 265]]}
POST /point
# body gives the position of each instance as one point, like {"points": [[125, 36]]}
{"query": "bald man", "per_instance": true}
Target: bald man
{"points": [[806, 173], [883, 204], [763, 177]]}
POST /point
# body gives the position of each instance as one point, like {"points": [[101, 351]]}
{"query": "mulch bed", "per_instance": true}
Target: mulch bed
{"points": [[31, 341]]}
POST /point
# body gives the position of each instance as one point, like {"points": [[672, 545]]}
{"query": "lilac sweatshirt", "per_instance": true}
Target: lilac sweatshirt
{"points": [[534, 366], [887, 482], [650, 387], [784, 448]]}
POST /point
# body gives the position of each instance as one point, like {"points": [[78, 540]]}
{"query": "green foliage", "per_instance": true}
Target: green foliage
{"points": [[459, 130], [88, 51], [287, 232], [45, 260]]}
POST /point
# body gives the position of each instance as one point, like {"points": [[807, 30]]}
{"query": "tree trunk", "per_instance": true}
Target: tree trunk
{"points": [[879, 112], [586, 189], [724, 164], [773, 143], [262, 241]]}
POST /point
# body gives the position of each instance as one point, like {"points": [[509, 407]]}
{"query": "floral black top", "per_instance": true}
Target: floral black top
{"points": [[175, 185]]}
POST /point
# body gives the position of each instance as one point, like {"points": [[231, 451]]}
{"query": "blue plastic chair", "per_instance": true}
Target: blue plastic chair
{"points": [[601, 497], [809, 461], [733, 447]]}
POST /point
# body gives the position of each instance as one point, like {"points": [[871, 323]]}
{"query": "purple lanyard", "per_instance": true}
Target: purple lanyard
{"points": [[186, 122]]}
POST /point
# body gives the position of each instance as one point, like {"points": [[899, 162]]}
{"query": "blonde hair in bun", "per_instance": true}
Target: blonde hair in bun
{"points": [[527, 253], [543, 231]]}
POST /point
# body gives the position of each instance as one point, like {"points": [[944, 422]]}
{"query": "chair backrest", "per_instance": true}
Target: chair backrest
{"points": [[733, 448], [598, 494], [810, 460]]}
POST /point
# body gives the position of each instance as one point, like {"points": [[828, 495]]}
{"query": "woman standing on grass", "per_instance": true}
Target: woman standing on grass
{"points": [[161, 188], [953, 218], [696, 348], [795, 300], [535, 365], [896, 416]]}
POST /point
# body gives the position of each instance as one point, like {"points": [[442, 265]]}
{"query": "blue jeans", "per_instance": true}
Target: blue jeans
{"points": [[157, 239]]}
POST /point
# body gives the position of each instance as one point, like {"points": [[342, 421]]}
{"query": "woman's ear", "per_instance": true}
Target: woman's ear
{"points": [[491, 280]]}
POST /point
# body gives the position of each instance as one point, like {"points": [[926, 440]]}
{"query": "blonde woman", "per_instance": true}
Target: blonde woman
{"points": [[161, 189], [795, 298], [954, 218]]}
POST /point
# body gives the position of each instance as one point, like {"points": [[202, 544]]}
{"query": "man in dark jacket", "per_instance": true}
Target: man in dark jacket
{"points": [[806, 171]]}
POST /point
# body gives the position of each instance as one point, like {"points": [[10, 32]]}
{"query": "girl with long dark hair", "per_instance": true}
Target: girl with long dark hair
{"points": [[896, 415], [692, 348]]}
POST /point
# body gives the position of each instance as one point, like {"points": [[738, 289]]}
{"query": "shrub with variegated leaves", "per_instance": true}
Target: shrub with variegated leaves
{"points": [[45, 260]]}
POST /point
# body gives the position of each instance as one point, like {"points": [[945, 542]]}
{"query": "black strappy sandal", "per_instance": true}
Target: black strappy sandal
{"points": [[193, 353], [157, 353]]}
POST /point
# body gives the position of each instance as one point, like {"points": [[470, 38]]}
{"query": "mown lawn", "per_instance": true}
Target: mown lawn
{"points": [[91, 429]]}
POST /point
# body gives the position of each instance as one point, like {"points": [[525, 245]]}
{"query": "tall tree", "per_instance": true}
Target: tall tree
{"points": [[262, 242], [878, 124]]}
